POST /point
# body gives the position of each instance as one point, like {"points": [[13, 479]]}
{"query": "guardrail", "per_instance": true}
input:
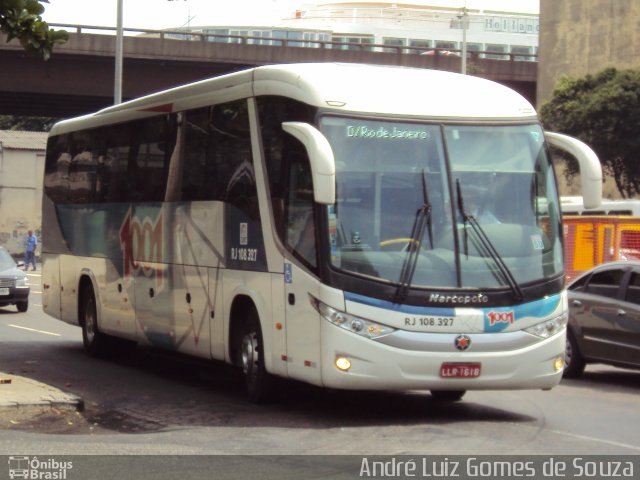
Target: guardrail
{"points": [[291, 42]]}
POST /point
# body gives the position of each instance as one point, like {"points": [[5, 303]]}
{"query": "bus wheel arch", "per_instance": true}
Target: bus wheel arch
{"points": [[246, 349]]}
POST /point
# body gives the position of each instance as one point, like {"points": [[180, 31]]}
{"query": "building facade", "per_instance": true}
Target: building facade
{"points": [[388, 26], [578, 37], [21, 174]]}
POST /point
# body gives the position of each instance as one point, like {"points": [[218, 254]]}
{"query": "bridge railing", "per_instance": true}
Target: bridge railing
{"points": [[293, 42]]}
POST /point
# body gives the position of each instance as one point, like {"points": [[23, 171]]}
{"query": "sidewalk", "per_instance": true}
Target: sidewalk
{"points": [[22, 392]]}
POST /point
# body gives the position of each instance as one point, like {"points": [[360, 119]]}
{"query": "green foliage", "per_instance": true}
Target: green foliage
{"points": [[603, 111], [27, 124], [21, 20]]}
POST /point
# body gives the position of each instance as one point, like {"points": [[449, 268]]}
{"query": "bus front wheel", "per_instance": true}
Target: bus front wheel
{"points": [[259, 383], [92, 339]]}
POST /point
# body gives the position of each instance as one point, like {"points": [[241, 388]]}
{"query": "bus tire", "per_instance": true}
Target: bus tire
{"points": [[447, 395], [260, 385], [93, 340], [573, 361]]}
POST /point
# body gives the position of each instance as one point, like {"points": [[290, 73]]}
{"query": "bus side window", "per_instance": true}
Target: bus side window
{"points": [[284, 157]]}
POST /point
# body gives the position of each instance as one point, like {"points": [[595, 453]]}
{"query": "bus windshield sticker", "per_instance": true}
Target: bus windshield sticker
{"points": [[536, 241], [363, 131]]}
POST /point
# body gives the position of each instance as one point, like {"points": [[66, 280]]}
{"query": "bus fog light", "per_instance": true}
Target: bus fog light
{"points": [[343, 363], [558, 365]]}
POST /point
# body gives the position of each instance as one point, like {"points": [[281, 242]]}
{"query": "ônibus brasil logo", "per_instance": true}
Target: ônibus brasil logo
{"points": [[40, 469]]}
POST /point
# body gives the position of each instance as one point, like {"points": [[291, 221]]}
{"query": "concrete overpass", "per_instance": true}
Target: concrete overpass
{"points": [[80, 74]]}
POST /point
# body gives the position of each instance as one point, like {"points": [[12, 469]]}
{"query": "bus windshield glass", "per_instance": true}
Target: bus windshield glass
{"points": [[392, 176]]}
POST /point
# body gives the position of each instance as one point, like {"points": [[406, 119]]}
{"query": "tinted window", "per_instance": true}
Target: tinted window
{"points": [[606, 283], [118, 163], [579, 285], [217, 156], [289, 175], [207, 151], [633, 291]]}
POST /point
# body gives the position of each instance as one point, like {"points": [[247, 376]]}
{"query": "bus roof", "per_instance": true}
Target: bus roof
{"points": [[371, 89]]}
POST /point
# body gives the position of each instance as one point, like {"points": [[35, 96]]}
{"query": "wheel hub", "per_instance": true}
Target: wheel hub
{"points": [[249, 353]]}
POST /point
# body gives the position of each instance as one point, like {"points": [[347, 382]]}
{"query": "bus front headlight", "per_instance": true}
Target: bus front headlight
{"points": [[365, 328], [550, 327]]}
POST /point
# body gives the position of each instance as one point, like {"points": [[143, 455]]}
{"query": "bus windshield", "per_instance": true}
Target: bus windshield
{"points": [[484, 197]]}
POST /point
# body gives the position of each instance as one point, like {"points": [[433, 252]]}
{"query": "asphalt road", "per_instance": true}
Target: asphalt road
{"points": [[143, 402]]}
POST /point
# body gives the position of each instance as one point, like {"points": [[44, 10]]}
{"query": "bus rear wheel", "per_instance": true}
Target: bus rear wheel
{"points": [[447, 395], [93, 341], [260, 385]]}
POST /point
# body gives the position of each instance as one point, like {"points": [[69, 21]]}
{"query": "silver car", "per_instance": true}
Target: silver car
{"points": [[604, 318], [14, 285]]}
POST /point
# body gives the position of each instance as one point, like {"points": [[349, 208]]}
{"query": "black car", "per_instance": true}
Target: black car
{"points": [[604, 318], [14, 286]]}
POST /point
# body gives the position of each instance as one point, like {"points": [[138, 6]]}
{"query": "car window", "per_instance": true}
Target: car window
{"points": [[633, 291], [606, 283], [6, 261], [579, 284]]}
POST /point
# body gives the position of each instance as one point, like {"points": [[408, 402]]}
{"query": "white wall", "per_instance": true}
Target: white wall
{"points": [[21, 176]]}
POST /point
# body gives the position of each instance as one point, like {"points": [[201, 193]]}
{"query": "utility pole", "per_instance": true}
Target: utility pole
{"points": [[117, 91], [464, 22]]}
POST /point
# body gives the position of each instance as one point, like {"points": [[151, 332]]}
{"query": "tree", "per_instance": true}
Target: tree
{"points": [[602, 111], [21, 19], [28, 124]]}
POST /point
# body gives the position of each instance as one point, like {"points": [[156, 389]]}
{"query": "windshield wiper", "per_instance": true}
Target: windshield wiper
{"points": [[488, 249], [422, 221]]}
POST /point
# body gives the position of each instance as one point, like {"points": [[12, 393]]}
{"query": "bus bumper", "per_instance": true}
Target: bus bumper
{"points": [[375, 366]]}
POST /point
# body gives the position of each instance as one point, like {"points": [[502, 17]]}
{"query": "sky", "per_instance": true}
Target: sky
{"points": [[154, 14]]}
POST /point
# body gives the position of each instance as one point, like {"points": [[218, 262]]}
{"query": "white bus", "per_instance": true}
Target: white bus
{"points": [[316, 222], [574, 205]]}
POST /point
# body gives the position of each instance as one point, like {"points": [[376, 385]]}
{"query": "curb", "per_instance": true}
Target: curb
{"points": [[21, 392]]}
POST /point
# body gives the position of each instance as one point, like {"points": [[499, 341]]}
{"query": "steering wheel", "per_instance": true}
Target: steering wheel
{"points": [[406, 241]]}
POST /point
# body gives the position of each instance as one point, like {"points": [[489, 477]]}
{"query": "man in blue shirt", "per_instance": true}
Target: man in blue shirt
{"points": [[30, 250]]}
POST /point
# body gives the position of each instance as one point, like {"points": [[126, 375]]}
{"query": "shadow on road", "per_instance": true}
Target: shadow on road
{"points": [[143, 390], [610, 378]]}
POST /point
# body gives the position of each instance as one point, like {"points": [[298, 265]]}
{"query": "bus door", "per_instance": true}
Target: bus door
{"points": [[300, 237]]}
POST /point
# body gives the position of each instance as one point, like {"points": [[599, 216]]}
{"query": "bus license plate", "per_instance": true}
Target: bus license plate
{"points": [[460, 370], [4, 291]]}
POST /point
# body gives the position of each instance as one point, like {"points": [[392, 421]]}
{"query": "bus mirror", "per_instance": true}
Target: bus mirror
{"points": [[590, 168], [323, 166]]}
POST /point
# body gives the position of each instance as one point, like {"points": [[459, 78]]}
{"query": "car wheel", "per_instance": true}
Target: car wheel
{"points": [[94, 342], [259, 383], [447, 395], [22, 306], [573, 361]]}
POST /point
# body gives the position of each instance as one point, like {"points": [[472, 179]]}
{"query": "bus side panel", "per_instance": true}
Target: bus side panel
{"points": [[69, 267], [51, 285], [117, 309], [216, 325], [279, 326], [173, 307], [172, 247], [303, 325]]}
